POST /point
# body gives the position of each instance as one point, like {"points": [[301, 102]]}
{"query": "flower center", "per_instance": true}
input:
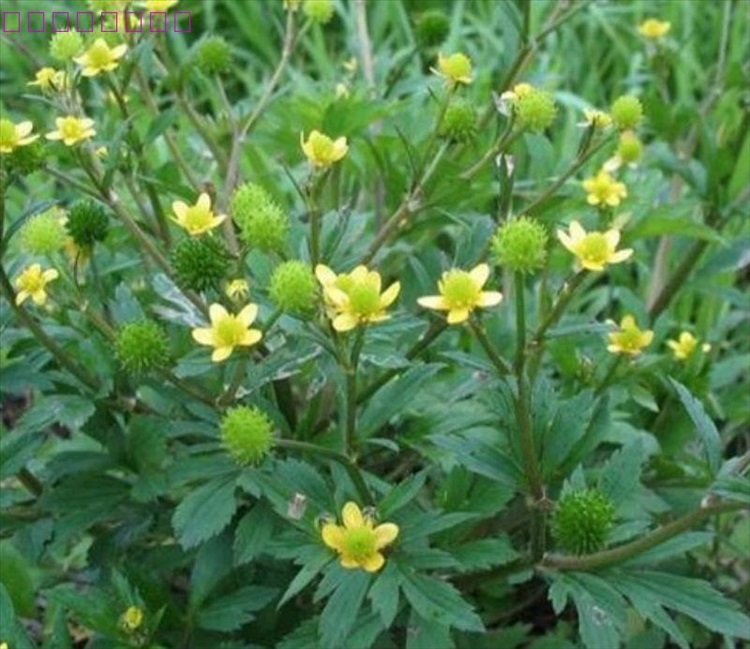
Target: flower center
{"points": [[71, 128], [7, 133], [359, 543], [228, 332], [99, 55], [322, 147], [197, 218], [459, 290], [594, 248], [630, 339], [31, 281], [364, 299]]}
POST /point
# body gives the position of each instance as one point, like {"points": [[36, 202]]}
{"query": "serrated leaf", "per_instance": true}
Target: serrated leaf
{"points": [[401, 495], [313, 565], [438, 602], [485, 553], [424, 634], [707, 431], [341, 609], [733, 487], [384, 593], [205, 512], [620, 475], [253, 532], [230, 612]]}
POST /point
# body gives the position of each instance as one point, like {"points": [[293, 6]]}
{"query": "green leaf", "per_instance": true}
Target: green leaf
{"points": [[706, 428], [12, 631], [480, 458], [16, 449], [394, 398], [438, 602], [384, 593], [676, 546], [205, 512], [147, 442], [674, 219], [401, 495], [16, 577], [212, 563], [230, 612], [341, 609], [620, 476], [567, 428], [313, 565], [485, 553], [424, 634], [253, 533]]}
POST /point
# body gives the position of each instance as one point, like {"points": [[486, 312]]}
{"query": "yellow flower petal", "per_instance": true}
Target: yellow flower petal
{"points": [[374, 562], [351, 515], [333, 536], [203, 335], [221, 353], [385, 534], [248, 314], [433, 302], [480, 274], [457, 316], [217, 313], [390, 295]]}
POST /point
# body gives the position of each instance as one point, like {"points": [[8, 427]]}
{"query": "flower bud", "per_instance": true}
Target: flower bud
{"points": [[521, 245], [87, 223], [321, 11], [200, 263], [293, 287], [582, 521], [263, 224], [44, 233], [63, 46], [247, 434], [142, 346], [213, 55], [630, 148], [626, 112], [432, 28], [535, 110], [459, 122]]}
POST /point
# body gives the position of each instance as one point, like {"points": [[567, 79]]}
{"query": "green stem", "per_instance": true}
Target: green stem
{"points": [[500, 146], [634, 548], [502, 367], [350, 370], [350, 467], [609, 375]]}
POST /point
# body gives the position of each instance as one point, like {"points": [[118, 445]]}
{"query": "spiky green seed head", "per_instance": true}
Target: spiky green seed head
{"points": [[25, 160], [629, 148], [200, 263], [63, 46], [582, 521], [293, 287], [263, 224], [460, 121], [247, 434], [87, 224], [320, 11], [141, 346], [44, 233], [520, 245], [213, 55], [535, 110], [432, 28], [627, 112]]}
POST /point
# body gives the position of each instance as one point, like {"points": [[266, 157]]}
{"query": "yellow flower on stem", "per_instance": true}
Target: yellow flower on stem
{"points": [[32, 282], [593, 250], [653, 28], [603, 189], [596, 118], [158, 6], [100, 57], [131, 619], [198, 218], [237, 289], [455, 68], [321, 150], [358, 541], [72, 130], [519, 91], [355, 298], [629, 339], [685, 345], [49, 79], [228, 331], [461, 292], [15, 135]]}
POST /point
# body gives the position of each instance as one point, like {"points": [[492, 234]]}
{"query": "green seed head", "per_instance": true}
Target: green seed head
{"points": [[263, 224], [432, 28], [213, 55], [25, 160], [142, 346], [521, 245], [293, 287], [321, 11], [629, 148], [44, 233], [63, 46], [627, 112], [200, 263], [87, 223], [460, 121], [247, 434], [535, 110], [582, 521]]}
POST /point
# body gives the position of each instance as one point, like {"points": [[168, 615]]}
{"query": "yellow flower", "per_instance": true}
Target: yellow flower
{"points": [[15, 135], [455, 68], [355, 298], [237, 289], [72, 130], [358, 541], [291, 5], [100, 58], [158, 5], [342, 91], [593, 250], [228, 331], [132, 618], [629, 339], [604, 189], [198, 218], [684, 347], [519, 90], [653, 28], [32, 281], [321, 150], [49, 79], [596, 118], [461, 292]]}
